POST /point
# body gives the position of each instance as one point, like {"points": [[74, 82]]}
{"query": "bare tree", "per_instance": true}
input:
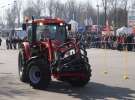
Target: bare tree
{"points": [[1, 22], [71, 4], [57, 8], [67, 11], [29, 12], [81, 13], [34, 8], [11, 17], [124, 4], [18, 7], [89, 11], [38, 5], [105, 6], [50, 7], [113, 8], [118, 11]]}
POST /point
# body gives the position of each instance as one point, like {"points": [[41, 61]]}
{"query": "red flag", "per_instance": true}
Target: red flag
{"points": [[107, 28]]}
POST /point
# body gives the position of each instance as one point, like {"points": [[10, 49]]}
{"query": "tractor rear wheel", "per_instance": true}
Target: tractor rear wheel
{"points": [[39, 75]]}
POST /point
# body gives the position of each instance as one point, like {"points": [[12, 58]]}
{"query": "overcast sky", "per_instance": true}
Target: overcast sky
{"points": [[4, 4]]}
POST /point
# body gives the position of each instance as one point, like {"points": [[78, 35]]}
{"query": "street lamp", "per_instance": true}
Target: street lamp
{"points": [[97, 18], [3, 12]]}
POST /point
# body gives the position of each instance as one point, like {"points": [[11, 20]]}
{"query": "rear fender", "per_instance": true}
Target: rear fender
{"points": [[34, 58], [26, 50]]}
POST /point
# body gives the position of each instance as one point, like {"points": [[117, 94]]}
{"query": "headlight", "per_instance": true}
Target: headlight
{"points": [[69, 53], [35, 49], [83, 52]]}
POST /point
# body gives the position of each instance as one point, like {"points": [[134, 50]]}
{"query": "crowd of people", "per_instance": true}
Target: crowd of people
{"points": [[121, 42], [12, 43]]}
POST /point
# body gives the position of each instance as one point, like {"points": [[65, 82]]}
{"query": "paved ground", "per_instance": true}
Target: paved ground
{"points": [[109, 86]]}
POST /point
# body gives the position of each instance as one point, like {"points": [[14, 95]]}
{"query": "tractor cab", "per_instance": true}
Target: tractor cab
{"points": [[47, 28], [52, 31]]}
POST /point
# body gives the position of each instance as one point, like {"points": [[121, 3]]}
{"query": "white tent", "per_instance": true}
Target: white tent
{"points": [[124, 30], [74, 25], [88, 22]]}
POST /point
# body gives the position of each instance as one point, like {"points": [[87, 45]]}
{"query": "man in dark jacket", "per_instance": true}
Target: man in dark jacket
{"points": [[7, 43], [129, 42], [0, 41]]}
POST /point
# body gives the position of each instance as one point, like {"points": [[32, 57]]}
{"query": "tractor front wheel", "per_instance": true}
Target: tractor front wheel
{"points": [[81, 82], [39, 74]]}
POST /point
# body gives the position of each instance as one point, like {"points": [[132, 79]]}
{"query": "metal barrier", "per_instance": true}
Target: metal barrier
{"points": [[109, 45]]}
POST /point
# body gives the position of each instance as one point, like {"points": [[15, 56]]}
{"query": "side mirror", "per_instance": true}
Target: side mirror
{"points": [[34, 28], [24, 27], [69, 27]]}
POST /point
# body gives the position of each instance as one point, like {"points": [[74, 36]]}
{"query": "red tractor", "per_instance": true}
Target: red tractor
{"points": [[48, 51]]}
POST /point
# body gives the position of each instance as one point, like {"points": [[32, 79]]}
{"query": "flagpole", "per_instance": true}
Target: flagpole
{"points": [[97, 18]]}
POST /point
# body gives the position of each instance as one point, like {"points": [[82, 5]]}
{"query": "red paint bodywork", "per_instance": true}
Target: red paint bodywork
{"points": [[53, 45], [49, 21], [26, 50]]}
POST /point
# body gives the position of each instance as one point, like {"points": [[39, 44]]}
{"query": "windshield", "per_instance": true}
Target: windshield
{"points": [[54, 32]]}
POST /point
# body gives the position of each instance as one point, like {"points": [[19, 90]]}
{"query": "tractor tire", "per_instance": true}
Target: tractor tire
{"points": [[79, 82], [39, 74], [22, 67]]}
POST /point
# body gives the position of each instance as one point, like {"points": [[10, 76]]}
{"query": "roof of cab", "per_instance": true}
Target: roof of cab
{"points": [[47, 20]]}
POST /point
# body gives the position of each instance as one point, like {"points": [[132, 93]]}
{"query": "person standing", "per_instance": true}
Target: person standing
{"points": [[0, 41], [7, 43], [129, 42], [14, 42], [119, 41]]}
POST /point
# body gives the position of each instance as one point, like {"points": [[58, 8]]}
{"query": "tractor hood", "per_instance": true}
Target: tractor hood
{"points": [[64, 46], [61, 45]]}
